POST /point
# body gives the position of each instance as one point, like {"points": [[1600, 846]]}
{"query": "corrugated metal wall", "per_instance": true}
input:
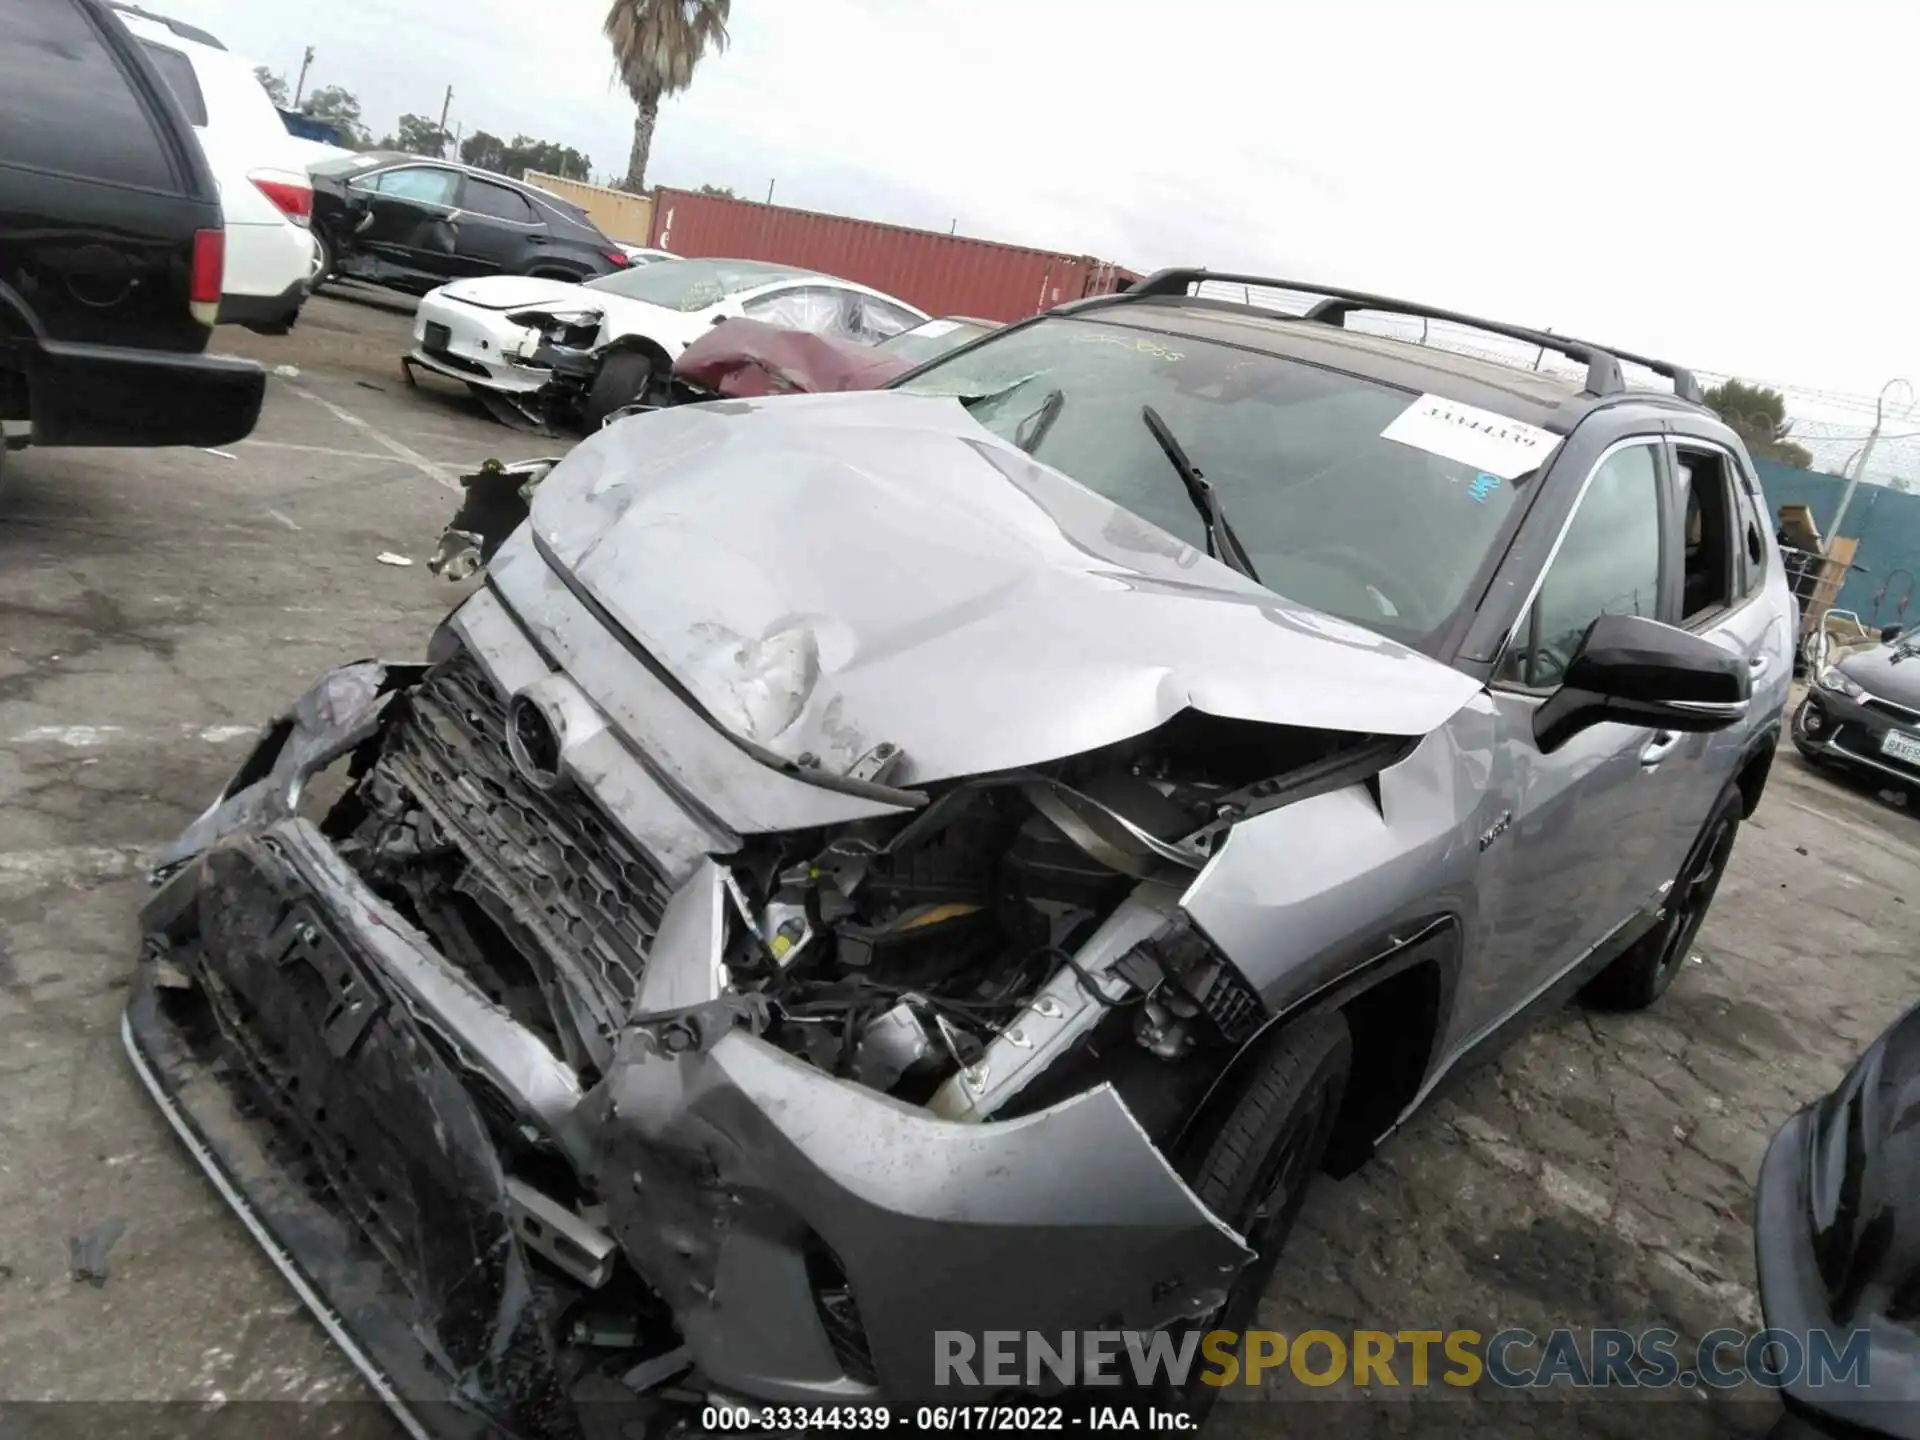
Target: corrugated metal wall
{"points": [[942, 274], [620, 216], [1887, 524]]}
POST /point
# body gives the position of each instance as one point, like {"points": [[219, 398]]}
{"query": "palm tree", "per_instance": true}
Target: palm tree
{"points": [[656, 44]]}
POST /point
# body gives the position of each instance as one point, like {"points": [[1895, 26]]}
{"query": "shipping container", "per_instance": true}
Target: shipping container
{"points": [[942, 274], [620, 216]]}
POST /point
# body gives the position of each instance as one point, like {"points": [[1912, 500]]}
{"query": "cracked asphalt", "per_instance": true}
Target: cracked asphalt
{"points": [[155, 606]]}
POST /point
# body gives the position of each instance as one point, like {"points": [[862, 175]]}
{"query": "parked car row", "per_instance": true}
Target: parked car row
{"points": [[411, 224], [577, 353]]}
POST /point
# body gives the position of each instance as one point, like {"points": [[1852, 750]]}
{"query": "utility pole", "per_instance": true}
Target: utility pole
{"points": [[300, 85], [1860, 468], [770, 185], [441, 134]]}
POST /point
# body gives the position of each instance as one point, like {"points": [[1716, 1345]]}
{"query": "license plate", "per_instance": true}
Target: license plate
{"points": [[439, 337], [1901, 746]]}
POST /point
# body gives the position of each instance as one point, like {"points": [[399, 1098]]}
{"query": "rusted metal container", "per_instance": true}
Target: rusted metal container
{"points": [[942, 274]]}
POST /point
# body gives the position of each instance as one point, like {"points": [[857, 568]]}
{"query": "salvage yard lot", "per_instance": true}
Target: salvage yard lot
{"points": [[156, 606]]}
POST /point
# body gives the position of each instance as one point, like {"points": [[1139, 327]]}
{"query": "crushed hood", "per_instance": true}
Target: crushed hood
{"points": [[829, 573], [518, 292]]}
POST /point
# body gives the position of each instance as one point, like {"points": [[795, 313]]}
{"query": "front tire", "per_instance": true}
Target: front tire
{"points": [[1642, 974], [625, 376], [1253, 1166]]}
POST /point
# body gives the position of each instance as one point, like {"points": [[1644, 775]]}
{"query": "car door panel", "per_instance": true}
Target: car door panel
{"points": [[409, 218], [1575, 830], [498, 233], [1741, 619]]}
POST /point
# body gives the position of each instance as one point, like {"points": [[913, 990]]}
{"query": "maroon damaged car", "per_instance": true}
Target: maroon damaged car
{"points": [[743, 359]]}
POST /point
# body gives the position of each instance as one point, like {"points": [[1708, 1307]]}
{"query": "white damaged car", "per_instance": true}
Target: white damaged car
{"points": [[498, 332]]}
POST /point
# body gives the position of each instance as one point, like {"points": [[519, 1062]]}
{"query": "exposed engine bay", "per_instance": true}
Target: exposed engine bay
{"points": [[897, 953]]}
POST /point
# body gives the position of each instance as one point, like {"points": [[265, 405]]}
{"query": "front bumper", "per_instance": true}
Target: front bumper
{"points": [[757, 1196], [479, 346], [1849, 733]]}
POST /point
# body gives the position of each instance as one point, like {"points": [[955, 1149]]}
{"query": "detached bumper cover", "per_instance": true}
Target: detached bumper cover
{"points": [[809, 1236]]}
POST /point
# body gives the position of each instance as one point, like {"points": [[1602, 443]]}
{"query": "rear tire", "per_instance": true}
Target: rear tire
{"points": [[625, 376], [1642, 974], [322, 264]]}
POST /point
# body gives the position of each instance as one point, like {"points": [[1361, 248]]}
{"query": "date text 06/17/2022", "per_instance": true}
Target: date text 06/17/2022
{"points": [[940, 1419]]}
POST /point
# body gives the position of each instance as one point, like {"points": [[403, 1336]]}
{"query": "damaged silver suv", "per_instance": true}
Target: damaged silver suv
{"points": [[960, 857]]}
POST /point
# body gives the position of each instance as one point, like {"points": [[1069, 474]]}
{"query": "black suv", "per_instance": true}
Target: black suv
{"points": [[412, 224], [111, 245]]}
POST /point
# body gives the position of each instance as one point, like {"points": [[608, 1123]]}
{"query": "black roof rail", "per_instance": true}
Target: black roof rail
{"points": [[178, 27], [1603, 364]]}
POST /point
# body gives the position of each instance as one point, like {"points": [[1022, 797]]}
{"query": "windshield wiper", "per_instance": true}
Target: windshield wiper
{"points": [[1040, 421], [1222, 543]]}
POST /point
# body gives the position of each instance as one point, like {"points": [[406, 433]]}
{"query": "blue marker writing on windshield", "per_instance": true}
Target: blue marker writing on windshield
{"points": [[1483, 486]]}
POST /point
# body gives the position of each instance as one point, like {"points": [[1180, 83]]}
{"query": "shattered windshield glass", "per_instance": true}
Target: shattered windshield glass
{"points": [[690, 285], [1332, 513]]}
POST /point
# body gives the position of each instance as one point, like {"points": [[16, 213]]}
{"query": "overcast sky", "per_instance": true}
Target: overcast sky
{"points": [[1721, 184]]}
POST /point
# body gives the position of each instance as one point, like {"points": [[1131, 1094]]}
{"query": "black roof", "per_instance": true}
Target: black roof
{"points": [[1553, 401]]}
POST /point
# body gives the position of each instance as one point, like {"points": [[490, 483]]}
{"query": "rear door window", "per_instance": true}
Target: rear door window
{"points": [[820, 309], [422, 183], [485, 198], [177, 70], [69, 106]]}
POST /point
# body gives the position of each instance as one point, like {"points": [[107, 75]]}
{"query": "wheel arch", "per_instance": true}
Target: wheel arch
{"points": [[1755, 766], [1396, 992]]}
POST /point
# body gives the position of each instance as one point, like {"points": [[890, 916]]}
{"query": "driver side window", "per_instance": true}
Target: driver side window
{"points": [[1608, 564]]}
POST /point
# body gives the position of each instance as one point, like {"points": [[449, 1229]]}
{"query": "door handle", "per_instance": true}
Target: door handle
{"points": [[1658, 748]]}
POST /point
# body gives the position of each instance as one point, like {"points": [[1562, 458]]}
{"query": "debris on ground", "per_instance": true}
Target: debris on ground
{"points": [[498, 497], [457, 556], [223, 454], [387, 557], [1799, 849], [369, 385], [87, 1251], [287, 372]]}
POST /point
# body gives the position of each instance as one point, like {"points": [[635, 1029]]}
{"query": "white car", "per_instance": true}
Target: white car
{"points": [[265, 194], [489, 330]]}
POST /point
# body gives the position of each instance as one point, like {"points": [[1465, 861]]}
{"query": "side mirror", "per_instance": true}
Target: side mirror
{"points": [[1636, 671], [1890, 634]]}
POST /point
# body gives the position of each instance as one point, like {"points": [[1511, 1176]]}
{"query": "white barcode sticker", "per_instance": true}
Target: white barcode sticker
{"points": [[1481, 438]]}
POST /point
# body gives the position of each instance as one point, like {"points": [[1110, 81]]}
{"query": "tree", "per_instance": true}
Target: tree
{"points": [[524, 153], [1759, 417], [340, 107], [724, 192], [275, 87], [656, 45], [417, 135]]}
